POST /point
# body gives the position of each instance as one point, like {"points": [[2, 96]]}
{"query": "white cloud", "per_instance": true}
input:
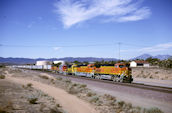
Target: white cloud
{"points": [[40, 18], [56, 48], [31, 24], [73, 12], [138, 15], [158, 48]]}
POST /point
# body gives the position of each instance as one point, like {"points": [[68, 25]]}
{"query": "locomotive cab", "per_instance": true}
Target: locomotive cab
{"points": [[123, 73]]}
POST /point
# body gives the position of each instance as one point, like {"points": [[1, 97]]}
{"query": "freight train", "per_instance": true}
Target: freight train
{"points": [[119, 72]]}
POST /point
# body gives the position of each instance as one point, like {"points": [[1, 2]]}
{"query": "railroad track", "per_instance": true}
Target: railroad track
{"points": [[135, 85]]}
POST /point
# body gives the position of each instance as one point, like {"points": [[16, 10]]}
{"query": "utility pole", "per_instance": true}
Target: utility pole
{"points": [[119, 49]]}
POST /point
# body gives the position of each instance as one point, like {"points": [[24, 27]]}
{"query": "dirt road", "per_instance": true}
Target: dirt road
{"points": [[69, 102], [136, 96]]}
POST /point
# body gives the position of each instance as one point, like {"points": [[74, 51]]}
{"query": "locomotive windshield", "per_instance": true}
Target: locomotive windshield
{"points": [[69, 66], [121, 66]]}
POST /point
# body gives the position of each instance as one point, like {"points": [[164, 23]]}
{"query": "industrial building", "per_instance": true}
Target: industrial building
{"points": [[139, 63]]}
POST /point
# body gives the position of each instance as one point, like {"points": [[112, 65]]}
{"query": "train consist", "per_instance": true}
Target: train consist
{"points": [[119, 72]]}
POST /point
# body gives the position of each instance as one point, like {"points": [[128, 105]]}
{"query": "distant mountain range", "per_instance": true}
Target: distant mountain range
{"points": [[12, 60], [145, 56]]}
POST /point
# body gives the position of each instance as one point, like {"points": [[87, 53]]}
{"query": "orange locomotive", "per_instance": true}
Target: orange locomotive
{"points": [[119, 72], [85, 70]]}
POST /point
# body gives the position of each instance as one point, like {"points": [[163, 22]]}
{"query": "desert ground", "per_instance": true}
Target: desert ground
{"points": [[152, 73], [25, 91]]}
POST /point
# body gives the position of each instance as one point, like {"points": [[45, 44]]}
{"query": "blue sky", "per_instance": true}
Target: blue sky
{"points": [[85, 28]]}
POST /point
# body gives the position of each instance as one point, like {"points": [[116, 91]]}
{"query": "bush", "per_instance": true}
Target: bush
{"points": [[90, 94], [33, 100], [73, 90], [44, 77], [29, 85], [75, 84], [2, 76], [2, 110], [109, 97], [68, 81], [94, 99], [121, 103], [59, 78], [83, 85], [153, 110], [55, 110]]}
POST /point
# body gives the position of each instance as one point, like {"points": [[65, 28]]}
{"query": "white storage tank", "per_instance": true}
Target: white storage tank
{"points": [[44, 62], [59, 61]]}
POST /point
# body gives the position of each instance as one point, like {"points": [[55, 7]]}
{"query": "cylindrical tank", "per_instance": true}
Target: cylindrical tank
{"points": [[59, 61], [40, 63]]}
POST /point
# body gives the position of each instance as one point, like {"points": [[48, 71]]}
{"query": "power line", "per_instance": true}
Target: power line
{"points": [[136, 45], [90, 45]]}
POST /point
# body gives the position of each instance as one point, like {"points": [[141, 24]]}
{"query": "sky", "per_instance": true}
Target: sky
{"points": [[85, 28]]}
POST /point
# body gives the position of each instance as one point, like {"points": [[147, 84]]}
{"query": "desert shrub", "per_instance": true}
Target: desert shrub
{"points": [[55, 110], [90, 94], [121, 103], [138, 108], [94, 99], [29, 85], [59, 78], [156, 72], [2, 110], [153, 110], [2, 66], [45, 95], [75, 84], [52, 81], [58, 105], [83, 85], [2, 76], [109, 97], [68, 81], [129, 105], [73, 90], [33, 100], [42, 106], [44, 77]]}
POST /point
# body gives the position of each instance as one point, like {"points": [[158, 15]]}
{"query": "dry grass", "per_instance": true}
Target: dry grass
{"points": [[2, 76], [153, 110], [29, 85], [33, 100], [90, 94], [44, 77]]}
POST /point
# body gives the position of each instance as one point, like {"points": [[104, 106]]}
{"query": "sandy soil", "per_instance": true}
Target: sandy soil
{"points": [[152, 73], [138, 97], [15, 98], [69, 102], [77, 98]]}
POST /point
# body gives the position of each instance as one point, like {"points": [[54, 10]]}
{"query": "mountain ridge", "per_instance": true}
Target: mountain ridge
{"points": [[11, 60]]}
